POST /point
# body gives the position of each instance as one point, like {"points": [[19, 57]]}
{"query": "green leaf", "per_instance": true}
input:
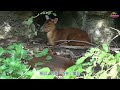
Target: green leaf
{"points": [[12, 63], [73, 72], [28, 57], [28, 74], [46, 69], [42, 74], [3, 67], [88, 54], [89, 70], [37, 55], [42, 12], [92, 50], [19, 49], [24, 53], [101, 57], [48, 58], [38, 64], [49, 12], [80, 60], [104, 75], [54, 14], [69, 76], [87, 64], [92, 60], [29, 21], [117, 56], [111, 62], [88, 76], [3, 76], [1, 51], [10, 47], [42, 53], [1, 59], [105, 47], [12, 52], [113, 72], [72, 68]]}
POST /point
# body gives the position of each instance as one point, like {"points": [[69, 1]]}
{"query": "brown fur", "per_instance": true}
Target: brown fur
{"points": [[54, 34], [56, 64]]}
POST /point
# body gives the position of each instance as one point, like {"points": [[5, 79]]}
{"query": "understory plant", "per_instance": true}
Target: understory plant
{"points": [[11, 66], [12, 63], [95, 64]]}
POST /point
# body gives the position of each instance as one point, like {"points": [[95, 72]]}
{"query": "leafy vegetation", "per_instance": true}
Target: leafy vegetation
{"points": [[29, 22], [48, 13], [101, 65], [44, 52], [12, 67], [43, 73], [94, 64]]}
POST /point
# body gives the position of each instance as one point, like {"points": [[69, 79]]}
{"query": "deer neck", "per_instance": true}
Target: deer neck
{"points": [[51, 36]]}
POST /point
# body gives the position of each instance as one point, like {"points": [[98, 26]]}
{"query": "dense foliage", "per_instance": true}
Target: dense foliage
{"points": [[94, 64], [101, 65]]}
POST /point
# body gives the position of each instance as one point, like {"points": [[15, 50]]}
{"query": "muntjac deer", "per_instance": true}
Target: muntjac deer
{"points": [[57, 64], [54, 34]]}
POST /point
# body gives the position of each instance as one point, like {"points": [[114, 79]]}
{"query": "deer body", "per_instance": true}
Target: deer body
{"points": [[54, 34], [57, 64]]}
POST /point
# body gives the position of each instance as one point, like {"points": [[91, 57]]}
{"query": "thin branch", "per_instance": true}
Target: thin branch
{"points": [[115, 49], [60, 43], [116, 35], [24, 73], [113, 38], [116, 30], [116, 46], [36, 15], [70, 47], [74, 41]]}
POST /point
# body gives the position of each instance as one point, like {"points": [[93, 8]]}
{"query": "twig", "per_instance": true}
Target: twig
{"points": [[113, 38], [115, 49], [116, 30], [61, 43], [70, 47], [74, 41], [116, 46], [75, 47], [116, 35], [24, 73], [72, 55], [36, 15]]}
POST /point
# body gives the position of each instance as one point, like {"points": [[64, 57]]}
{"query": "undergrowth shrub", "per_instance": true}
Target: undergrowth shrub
{"points": [[94, 64], [101, 65], [12, 67]]}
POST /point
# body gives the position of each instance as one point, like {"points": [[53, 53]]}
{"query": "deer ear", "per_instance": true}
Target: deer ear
{"points": [[55, 20]]}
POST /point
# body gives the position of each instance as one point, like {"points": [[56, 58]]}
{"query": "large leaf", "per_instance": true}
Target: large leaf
{"points": [[29, 21], [89, 70], [105, 47], [113, 72], [101, 57], [80, 60], [42, 53], [48, 58], [72, 72], [1, 51], [42, 74]]}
